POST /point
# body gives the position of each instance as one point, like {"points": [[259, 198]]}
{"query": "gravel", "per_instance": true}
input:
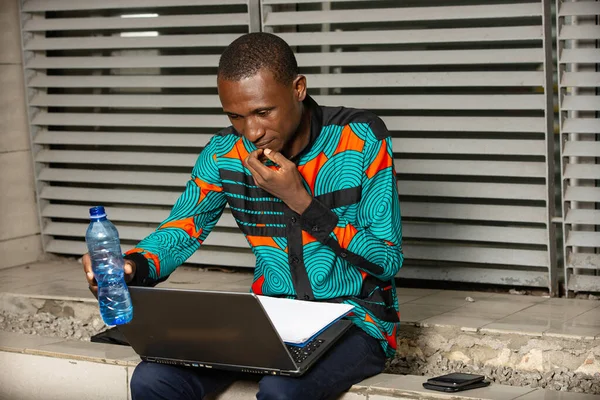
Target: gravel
{"points": [[46, 324], [559, 380]]}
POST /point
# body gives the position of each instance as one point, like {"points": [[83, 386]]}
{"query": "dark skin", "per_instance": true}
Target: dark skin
{"points": [[271, 115]]}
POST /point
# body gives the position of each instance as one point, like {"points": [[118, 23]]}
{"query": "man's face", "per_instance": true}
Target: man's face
{"points": [[264, 110]]}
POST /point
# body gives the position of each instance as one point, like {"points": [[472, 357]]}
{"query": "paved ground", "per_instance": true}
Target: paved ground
{"points": [[487, 312]]}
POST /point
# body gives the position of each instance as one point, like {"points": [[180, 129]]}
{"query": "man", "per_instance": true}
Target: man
{"points": [[314, 191]]}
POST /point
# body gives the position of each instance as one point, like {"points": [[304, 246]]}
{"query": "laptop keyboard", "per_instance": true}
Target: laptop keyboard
{"points": [[299, 354]]}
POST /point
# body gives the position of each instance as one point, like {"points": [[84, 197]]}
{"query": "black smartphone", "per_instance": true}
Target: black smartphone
{"points": [[449, 389], [455, 379]]}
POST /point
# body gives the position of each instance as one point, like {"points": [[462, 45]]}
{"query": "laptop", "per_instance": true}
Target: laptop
{"points": [[221, 330]]}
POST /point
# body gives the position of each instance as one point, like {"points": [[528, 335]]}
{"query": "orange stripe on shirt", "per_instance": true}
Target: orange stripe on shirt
{"points": [[311, 169], [188, 225], [238, 151], [205, 188], [256, 241], [382, 161], [345, 235], [307, 238], [349, 141]]}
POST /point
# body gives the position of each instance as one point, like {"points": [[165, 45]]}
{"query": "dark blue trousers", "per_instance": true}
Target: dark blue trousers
{"points": [[355, 357]]}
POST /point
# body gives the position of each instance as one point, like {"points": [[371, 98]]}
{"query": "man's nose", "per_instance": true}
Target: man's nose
{"points": [[253, 130]]}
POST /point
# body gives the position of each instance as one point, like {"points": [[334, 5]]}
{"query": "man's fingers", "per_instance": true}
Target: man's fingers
{"points": [[257, 168], [277, 157], [129, 270]]}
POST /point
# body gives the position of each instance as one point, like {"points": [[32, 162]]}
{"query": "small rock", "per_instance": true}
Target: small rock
{"points": [[470, 299], [517, 292], [592, 297]]}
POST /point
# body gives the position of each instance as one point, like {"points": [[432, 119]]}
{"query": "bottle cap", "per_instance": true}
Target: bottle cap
{"points": [[97, 212]]}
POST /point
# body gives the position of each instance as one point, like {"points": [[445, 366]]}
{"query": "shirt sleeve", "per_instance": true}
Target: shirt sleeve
{"points": [[374, 242], [191, 219]]}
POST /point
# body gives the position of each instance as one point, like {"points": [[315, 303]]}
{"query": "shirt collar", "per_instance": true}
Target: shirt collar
{"points": [[316, 124]]}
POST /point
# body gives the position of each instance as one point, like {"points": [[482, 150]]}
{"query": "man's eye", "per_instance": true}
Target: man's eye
{"points": [[263, 113], [233, 116]]}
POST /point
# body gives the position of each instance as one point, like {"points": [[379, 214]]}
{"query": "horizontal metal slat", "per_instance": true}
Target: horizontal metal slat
{"points": [[234, 257], [581, 125], [466, 124], [581, 32], [579, 8], [376, 80], [469, 146], [141, 120], [581, 149], [215, 238], [437, 102], [582, 171], [475, 233], [167, 41], [128, 101], [362, 58], [122, 138], [583, 239], [128, 81], [121, 214], [585, 194], [98, 24], [583, 217], [265, 2], [575, 56], [583, 283], [427, 79], [481, 255], [488, 34], [64, 5], [472, 190], [580, 79], [584, 260], [475, 168], [402, 14], [116, 158], [114, 177], [118, 196], [580, 103]]}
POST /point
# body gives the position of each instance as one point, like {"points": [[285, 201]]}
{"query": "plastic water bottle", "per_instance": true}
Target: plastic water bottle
{"points": [[104, 248]]}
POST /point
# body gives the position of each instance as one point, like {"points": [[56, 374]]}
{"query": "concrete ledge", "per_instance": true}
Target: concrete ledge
{"points": [[35, 367]]}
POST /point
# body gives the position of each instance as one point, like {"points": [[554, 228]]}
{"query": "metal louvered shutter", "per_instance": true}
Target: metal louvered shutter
{"points": [[122, 98], [466, 90], [579, 83]]}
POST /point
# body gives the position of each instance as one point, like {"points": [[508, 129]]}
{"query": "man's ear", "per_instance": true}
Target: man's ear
{"points": [[299, 85]]}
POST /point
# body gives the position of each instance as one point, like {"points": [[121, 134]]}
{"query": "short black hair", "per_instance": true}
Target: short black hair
{"points": [[249, 53]]}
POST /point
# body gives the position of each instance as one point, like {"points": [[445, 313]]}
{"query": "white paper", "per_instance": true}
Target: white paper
{"points": [[296, 321]]}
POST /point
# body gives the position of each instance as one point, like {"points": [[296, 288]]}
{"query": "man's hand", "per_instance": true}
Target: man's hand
{"points": [[284, 182], [129, 269]]}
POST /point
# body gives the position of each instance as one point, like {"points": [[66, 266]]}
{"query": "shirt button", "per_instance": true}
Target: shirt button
{"points": [[293, 220], [295, 260], [343, 255], [315, 228]]}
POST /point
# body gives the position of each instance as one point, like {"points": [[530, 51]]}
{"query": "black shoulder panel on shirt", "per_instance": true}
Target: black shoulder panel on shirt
{"points": [[227, 131], [343, 116]]}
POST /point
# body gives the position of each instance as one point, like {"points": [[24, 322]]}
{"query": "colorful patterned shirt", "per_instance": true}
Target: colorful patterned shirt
{"points": [[347, 245]]}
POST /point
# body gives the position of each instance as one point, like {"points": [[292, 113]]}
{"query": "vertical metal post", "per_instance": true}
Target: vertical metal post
{"points": [[549, 115], [255, 16], [31, 113]]}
